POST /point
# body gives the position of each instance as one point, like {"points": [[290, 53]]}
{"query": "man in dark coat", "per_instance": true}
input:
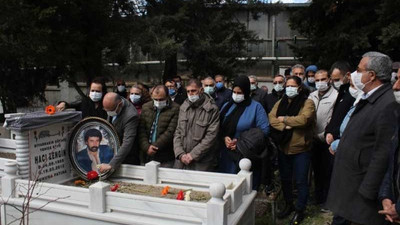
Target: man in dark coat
{"points": [[343, 102], [222, 94], [258, 94], [362, 157], [389, 194], [277, 92], [174, 93], [125, 119], [92, 104], [157, 126]]}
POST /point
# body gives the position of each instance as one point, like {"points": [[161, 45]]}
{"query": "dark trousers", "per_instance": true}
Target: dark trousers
{"points": [[298, 164], [322, 164]]}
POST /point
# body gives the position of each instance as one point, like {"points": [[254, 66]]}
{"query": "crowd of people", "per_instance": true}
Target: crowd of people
{"points": [[339, 125]]}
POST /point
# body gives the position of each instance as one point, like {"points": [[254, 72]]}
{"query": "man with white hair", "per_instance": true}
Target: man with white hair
{"points": [[362, 157]]}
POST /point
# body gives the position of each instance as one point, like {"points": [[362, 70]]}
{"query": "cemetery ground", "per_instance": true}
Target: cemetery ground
{"points": [[263, 211]]}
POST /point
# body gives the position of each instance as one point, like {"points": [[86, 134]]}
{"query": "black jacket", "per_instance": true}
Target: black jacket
{"points": [[252, 144], [180, 97], [222, 96], [390, 188], [88, 108], [343, 103], [362, 159], [273, 98], [260, 96]]}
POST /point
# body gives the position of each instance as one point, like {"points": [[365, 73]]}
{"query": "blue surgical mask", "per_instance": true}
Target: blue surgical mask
{"points": [[171, 92], [219, 85], [253, 87], [209, 90], [291, 92]]}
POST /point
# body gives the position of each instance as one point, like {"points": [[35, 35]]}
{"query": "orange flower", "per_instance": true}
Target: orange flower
{"points": [[165, 190], [50, 110], [79, 182]]}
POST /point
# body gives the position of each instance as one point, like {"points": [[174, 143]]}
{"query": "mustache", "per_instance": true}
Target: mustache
{"points": [[93, 149]]}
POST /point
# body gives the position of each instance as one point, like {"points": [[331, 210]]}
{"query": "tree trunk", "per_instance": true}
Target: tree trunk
{"points": [[170, 67]]}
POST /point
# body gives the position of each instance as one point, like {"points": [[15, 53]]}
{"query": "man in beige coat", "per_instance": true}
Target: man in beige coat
{"points": [[196, 134]]}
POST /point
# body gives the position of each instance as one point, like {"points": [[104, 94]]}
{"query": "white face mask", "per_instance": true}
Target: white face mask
{"points": [[178, 85], [393, 79], [209, 90], [121, 88], [135, 98], [337, 84], [355, 93], [397, 96], [113, 113], [160, 104], [311, 80], [95, 96], [291, 92], [238, 98], [193, 98], [278, 87], [321, 85], [253, 87], [357, 80]]}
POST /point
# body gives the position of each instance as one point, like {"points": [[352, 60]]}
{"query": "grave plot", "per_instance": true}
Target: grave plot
{"points": [[30, 192]]}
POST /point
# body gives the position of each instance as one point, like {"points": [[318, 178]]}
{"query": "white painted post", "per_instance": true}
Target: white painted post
{"points": [[151, 176], [97, 196], [245, 166], [217, 212], [22, 153], [8, 181]]}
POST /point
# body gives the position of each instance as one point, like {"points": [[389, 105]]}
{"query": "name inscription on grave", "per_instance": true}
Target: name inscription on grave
{"points": [[48, 153]]}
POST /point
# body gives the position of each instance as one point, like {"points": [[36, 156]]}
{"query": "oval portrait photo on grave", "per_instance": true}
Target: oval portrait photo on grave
{"points": [[93, 141]]}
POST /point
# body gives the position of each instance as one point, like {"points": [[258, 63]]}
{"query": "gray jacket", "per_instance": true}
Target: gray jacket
{"points": [[196, 133], [323, 108], [126, 125]]}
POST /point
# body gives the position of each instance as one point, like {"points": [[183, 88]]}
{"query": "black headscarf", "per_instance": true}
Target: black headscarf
{"points": [[228, 125], [289, 109]]}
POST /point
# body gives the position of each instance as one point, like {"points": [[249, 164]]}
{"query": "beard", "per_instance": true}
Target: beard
{"points": [[93, 149]]}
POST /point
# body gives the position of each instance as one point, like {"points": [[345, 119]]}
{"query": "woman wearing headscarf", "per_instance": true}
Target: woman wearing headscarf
{"points": [[292, 120], [238, 115]]}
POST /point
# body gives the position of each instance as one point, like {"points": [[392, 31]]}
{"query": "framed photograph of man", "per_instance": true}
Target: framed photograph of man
{"points": [[93, 141]]}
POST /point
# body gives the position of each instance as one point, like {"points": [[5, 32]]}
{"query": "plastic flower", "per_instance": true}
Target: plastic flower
{"points": [[180, 195], [115, 187], [91, 175], [187, 195], [79, 182], [165, 190], [50, 110]]}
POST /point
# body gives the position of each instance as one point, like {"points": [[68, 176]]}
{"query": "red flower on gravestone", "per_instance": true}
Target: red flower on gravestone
{"points": [[115, 187], [91, 175], [50, 110], [180, 195]]}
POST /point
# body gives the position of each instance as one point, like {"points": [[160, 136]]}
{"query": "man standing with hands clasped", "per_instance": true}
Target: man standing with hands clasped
{"points": [[196, 134]]}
